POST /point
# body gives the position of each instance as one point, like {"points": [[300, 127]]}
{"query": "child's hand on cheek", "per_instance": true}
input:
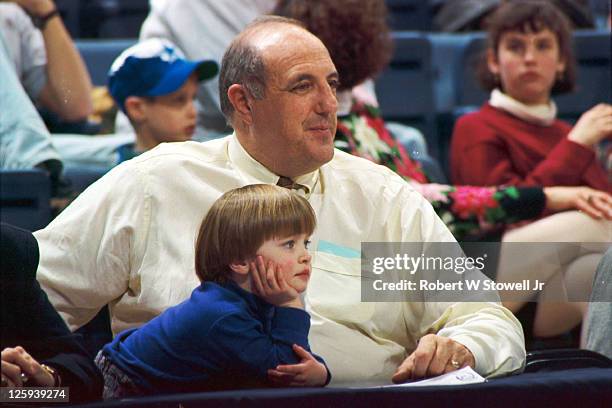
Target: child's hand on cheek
{"points": [[268, 282]]}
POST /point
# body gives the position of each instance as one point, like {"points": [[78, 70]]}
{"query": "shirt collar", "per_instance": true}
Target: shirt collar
{"points": [[543, 115], [254, 172]]}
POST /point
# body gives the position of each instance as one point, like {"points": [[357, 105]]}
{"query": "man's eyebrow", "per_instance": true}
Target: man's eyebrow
{"points": [[333, 75], [310, 77], [301, 77]]}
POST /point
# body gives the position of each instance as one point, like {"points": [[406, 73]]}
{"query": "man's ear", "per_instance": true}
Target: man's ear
{"points": [[240, 100], [240, 267], [135, 108]]}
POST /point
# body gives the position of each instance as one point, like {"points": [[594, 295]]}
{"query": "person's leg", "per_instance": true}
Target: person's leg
{"points": [[116, 383], [24, 140], [553, 317], [560, 258]]}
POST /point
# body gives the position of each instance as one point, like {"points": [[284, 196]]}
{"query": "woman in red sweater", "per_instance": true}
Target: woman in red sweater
{"points": [[515, 137]]}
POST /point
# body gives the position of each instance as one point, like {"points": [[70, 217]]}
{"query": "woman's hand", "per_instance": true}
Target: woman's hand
{"points": [[593, 126], [268, 282], [307, 373], [15, 362], [597, 204]]}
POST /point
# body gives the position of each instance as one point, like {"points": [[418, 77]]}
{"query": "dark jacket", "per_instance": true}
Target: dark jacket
{"points": [[29, 320]]}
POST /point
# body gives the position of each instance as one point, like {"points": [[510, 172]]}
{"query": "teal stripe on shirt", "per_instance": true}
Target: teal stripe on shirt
{"points": [[338, 250]]}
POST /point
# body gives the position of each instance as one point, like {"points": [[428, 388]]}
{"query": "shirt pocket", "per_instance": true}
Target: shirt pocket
{"points": [[334, 291]]}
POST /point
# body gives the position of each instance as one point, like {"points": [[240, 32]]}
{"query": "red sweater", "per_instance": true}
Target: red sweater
{"points": [[492, 147]]}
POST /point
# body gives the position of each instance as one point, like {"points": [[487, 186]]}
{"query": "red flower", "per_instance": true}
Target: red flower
{"points": [[470, 201]]}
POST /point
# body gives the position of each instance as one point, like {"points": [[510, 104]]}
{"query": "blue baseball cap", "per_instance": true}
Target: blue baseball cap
{"points": [[153, 67]]}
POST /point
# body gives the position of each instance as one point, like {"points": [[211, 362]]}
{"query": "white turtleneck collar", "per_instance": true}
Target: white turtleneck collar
{"points": [[543, 114]]}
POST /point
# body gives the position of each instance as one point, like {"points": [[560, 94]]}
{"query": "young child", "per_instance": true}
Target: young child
{"points": [[245, 325], [155, 87]]}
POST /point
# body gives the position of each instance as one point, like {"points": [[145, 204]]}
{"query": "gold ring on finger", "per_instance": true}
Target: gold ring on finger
{"points": [[455, 364]]}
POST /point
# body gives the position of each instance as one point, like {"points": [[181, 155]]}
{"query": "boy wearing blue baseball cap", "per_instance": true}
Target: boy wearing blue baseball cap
{"points": [[155, 86]]}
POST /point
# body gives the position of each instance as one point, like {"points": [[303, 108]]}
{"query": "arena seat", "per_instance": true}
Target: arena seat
{"points": [[410, 15], [467, 89], [564, 359], [594, 77], [405, 87], [69, 10], [24, 198], [113, 18], [100, 54], [81, 177]]}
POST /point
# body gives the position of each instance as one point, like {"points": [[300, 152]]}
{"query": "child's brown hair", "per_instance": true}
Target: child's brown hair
{"points": [[241, 220]]}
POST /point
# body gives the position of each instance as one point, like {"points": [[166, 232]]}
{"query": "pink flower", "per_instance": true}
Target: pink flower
{"points": [[470, 201]]}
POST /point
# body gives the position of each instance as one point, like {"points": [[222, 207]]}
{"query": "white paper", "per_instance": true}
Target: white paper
{"points": [[459, 377]]}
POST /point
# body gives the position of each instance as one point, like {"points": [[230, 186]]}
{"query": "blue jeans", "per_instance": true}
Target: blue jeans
{"points": [[116, 383]]}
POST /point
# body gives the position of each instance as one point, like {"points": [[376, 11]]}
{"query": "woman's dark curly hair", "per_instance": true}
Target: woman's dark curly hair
{"points": [[355, 33]]}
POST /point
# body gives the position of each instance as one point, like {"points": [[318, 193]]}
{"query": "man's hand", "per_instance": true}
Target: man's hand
{"points": [[16, 361], [307, 373], [434, 355], [268, 282]]}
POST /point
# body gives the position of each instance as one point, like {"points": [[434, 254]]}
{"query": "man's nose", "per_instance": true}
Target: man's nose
{"points": [[328, 103]]}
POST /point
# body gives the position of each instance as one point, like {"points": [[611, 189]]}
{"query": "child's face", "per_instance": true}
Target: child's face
{"points": [[291, 254], [527, 64], [172, 117]]}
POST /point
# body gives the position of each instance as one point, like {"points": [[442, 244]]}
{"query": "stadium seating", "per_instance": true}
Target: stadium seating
{"points": [[431, 78], [410, 15], [69, 10], [594, 76], [467, 89], [24, 198], [81, 177], [113, 18], [429, 82], [99, 55], [405, 87]]}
